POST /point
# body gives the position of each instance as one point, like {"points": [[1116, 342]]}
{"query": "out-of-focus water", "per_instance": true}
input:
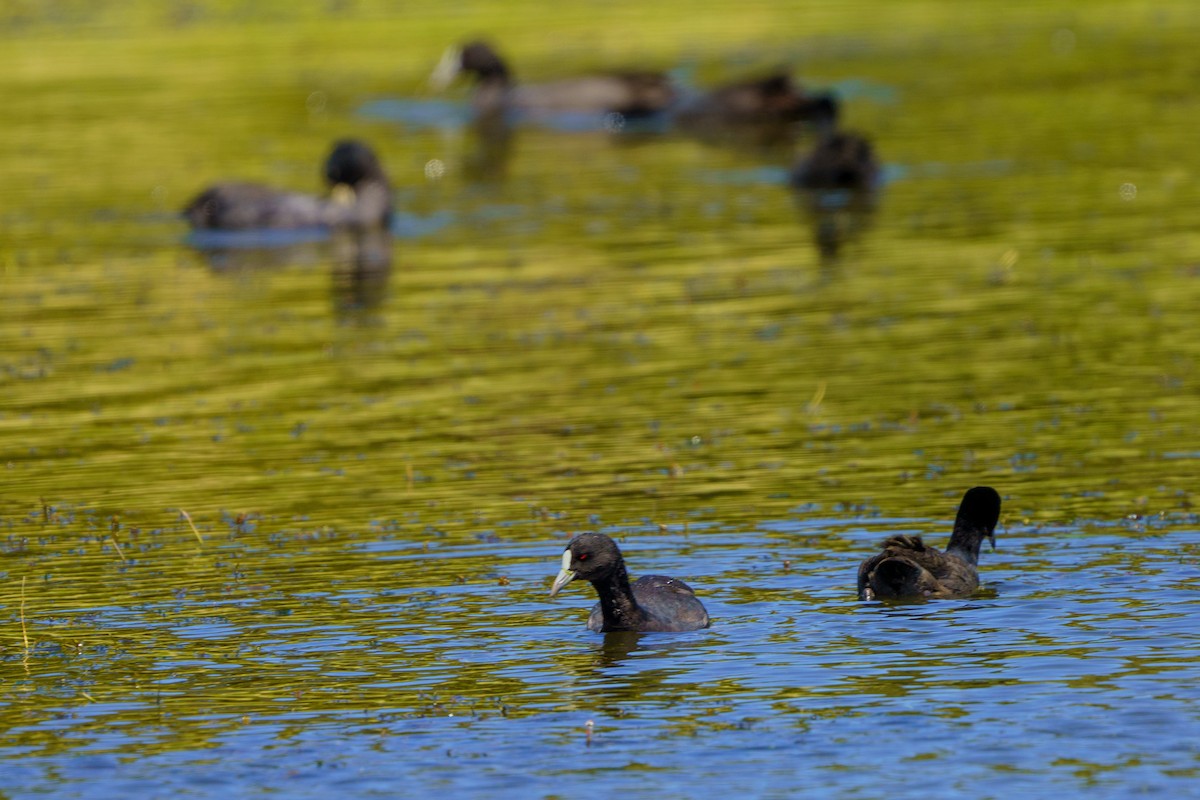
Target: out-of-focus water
{"points": [[386, 440]]}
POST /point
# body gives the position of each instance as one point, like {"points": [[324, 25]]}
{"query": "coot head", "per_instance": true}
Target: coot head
{"points": [[590, 557], [478, 58], [481, 59], [351, 162]]}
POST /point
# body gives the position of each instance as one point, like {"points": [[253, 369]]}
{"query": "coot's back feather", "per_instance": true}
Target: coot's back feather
{"points": [[907, 568]]}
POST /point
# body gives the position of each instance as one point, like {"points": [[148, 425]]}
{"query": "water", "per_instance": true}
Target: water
{"points": [[385, 443]]}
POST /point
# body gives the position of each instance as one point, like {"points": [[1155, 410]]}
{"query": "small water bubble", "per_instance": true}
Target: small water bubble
{"points": [[1127, 191], [1063, 41], [435, 169], [315, 103], [614, 122]]}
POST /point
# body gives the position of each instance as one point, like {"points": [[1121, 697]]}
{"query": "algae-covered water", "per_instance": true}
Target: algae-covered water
{"points": [[384, 442]]}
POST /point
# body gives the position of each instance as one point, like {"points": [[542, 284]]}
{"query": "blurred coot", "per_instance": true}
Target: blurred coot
{"points": [[838, 161], [360, 196], [631, 94], [772, 98]]}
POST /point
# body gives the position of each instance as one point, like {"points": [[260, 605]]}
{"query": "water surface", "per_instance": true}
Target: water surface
{"points": [[385, 442]]}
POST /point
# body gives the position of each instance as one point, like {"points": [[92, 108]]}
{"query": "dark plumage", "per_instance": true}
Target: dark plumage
{"points": [[838, 161], [774, 98], [652, 603], [908, 568], [763, 113], [361, 197], [632, 94]]}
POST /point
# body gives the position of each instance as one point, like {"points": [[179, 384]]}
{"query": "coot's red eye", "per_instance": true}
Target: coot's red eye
{"points": [[583, 556]]}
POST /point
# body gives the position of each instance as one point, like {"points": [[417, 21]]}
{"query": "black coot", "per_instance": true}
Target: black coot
{"points": [[632, 94], [774, 98], [764, 113], [652, 603], [839, 160], [360, 196], [908, 568]]}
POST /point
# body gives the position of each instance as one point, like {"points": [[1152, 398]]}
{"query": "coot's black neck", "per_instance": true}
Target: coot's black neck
{"points": [[492, 73], [621, 612], [966, 540]]}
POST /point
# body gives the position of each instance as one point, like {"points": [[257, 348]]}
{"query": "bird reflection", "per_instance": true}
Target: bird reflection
{"points": [[616, 648], [492, 140], [362, 266], [837, 187], [248, 251], [628, 666], [838, 217], [360, 260]]}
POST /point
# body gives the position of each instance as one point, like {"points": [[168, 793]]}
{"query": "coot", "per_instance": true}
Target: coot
{"points": [[774, 98], [840, 160], [652, 603], [908, 568], [360, 196], [631, 94]]}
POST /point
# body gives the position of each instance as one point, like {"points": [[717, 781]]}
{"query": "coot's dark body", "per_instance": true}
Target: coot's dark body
{"points": [[630, 93], [774, 98], [909, 569], [839, 160], [361, 197]]}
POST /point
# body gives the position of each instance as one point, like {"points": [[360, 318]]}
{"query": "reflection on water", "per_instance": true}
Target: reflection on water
{"points": [[258, 248], [492, 139], [767, 118], [837, 217], [614, 648], [362, 264], [359, 259], [414, 113]]}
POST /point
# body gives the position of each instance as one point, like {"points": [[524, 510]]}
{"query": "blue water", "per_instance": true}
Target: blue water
{"points": [[1076, 670]]}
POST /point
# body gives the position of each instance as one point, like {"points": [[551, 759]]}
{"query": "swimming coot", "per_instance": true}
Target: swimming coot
{"points": [[631, 94], [839, 160], [360, 196], [653, 603], [908, 568], [768, 112], [773, 98]]}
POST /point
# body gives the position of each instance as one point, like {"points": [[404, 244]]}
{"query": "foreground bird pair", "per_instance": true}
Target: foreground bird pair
{"points": [[906, 569]]}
